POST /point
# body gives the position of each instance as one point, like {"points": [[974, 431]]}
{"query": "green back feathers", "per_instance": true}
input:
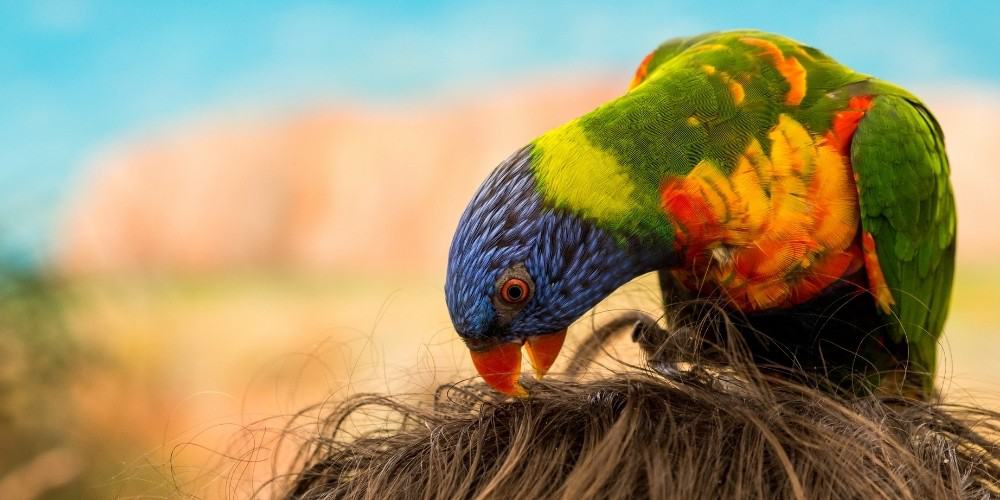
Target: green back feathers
{"points": [[703, 98], [908, 207]]}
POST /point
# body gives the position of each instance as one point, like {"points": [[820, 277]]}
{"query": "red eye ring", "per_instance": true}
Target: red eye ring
{"points": [[514, 291]]}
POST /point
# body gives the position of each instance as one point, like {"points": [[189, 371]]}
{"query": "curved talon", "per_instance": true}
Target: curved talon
{"points": [[643, 332]]}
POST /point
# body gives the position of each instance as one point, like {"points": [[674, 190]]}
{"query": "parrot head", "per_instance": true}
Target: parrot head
{"points": [[520, 272]]}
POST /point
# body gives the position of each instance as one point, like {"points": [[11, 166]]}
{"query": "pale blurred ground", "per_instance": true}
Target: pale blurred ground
{"points": [[214, 271]]}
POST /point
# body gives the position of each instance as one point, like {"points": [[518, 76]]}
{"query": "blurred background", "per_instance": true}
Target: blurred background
{"points": [[215, 215]]}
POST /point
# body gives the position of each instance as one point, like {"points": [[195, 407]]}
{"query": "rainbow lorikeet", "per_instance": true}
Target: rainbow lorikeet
{"points": [[746, 168]]}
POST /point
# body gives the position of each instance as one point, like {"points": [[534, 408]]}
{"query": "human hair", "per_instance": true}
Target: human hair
{"points": [[651, 433]]}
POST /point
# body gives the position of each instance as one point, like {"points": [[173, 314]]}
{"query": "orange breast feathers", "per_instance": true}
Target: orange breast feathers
{"points": [[777, 230]]}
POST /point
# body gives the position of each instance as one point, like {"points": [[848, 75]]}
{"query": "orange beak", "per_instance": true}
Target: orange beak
{"points": [[500, 364]]}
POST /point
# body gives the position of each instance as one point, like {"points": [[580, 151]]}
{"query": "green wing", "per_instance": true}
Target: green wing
{"points": [[907, 205]]}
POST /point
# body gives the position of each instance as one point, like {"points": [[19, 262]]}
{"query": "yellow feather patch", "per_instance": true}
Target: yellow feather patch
{"points": [[749, 187], [759, 161], [835, 206], [707, 47], [792, 148], [715, 189], [572, 172], [802, 52], [780, 228], [736, 92]]}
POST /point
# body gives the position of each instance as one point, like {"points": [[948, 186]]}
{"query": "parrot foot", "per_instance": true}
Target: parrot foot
{"points": [[666, 349], [587, 351], [662, 348], [648, 335]]}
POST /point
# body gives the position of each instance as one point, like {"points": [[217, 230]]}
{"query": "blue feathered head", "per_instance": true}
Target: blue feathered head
{"points": [[520, 271]]}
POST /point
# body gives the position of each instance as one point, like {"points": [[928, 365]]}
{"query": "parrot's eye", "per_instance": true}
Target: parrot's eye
{"points": [[514, 288], [514, 291]]}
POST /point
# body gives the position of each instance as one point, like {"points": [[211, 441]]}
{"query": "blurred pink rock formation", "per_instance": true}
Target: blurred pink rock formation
{"points": [[328, 188], [379, 188]]}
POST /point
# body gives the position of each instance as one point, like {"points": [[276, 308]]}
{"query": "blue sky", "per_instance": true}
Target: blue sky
{"points": [[77, 75]]}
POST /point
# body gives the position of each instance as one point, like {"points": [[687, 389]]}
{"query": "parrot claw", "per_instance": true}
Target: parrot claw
{"points": [[647, 334]]}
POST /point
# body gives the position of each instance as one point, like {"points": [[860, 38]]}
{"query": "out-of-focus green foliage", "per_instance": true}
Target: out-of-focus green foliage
{"points": [[37, 359], [36, 356]]}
